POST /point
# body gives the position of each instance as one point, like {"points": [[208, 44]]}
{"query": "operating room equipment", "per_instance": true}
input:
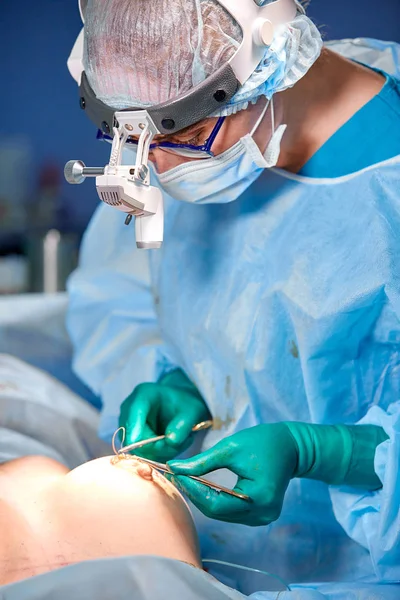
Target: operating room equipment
{"points": [[128, 188], [136, 445], [164, 468], [211, 561]]}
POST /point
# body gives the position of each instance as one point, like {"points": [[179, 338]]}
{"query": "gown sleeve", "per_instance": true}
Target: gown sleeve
{"points": [[111, 320], [372, 518]]}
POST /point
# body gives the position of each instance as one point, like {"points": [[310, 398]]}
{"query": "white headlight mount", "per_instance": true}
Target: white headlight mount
{"points": [[127, 188]]}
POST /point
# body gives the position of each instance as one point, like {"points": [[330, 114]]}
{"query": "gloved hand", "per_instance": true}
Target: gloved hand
{"points": [[172, 407], [266, 457]]}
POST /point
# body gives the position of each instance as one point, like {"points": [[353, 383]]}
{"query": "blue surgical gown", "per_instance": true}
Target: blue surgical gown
{"points": [[282, 305]]}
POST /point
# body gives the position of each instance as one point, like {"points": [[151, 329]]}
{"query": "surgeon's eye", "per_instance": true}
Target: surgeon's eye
{"points": [[195, 141], [196, 137]]}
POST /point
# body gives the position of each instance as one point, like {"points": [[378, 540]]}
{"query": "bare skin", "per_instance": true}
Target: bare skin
{"points": [[321, 103], [51, 517], [331, 92]]}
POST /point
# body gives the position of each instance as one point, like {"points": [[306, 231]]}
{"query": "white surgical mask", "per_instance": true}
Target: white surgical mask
{"points": [[223, 178]]}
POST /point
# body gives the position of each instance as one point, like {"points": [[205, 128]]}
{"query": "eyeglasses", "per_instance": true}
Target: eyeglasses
{"points": [[186, 150]]}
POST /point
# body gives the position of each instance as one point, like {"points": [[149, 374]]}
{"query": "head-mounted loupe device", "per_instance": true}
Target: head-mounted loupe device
{"points": [[128, 188]]}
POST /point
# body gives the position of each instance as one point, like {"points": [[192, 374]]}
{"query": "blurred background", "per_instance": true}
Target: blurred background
{"points": [[42, 218]]}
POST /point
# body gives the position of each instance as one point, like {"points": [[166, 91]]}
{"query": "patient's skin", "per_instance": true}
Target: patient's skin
{"points": [[50, 517]]}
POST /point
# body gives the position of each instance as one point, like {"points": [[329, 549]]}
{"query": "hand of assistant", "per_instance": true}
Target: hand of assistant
{"points": [[263, 457], [173, 406]]}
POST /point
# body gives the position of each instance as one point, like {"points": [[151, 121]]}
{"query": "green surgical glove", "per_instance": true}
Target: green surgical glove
{"points": [[267, 457], [172, 407]]}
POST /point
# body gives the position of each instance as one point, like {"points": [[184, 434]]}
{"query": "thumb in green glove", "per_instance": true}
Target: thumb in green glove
{"points": [[266, 457]]}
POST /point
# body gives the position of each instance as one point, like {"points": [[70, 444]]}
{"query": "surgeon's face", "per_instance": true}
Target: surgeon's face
{"points": [[234, 127]]}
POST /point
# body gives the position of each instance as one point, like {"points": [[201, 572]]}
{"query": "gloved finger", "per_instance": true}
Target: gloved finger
{"points": [[217, 457], [164, 445], [146, 434], [216, 505], [133, 416], [159, 451], [179, 429]]}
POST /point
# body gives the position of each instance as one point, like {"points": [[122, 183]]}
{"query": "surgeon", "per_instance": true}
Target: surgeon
{"points": [[273, 305]]}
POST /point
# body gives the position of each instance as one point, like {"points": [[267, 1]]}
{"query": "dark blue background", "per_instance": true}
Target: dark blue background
{"points": [[39, 98]]}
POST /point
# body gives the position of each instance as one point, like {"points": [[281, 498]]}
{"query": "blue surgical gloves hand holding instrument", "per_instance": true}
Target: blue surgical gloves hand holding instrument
{"points": [[265, 457]]}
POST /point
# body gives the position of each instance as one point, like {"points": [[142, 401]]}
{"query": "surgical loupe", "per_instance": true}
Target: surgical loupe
{"points": [[128, 188]]}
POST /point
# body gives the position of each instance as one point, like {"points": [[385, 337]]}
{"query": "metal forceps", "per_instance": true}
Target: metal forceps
{"points": [[136, 445], [164, 468]]}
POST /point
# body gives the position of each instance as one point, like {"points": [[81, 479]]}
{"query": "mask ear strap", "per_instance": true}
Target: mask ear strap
{"points": [[272, 116], [272, 152], [260, 118]]}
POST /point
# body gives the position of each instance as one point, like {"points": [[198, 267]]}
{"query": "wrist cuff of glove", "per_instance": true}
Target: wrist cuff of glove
{"points": [[324, 451], [361, 472], [337, 454]]}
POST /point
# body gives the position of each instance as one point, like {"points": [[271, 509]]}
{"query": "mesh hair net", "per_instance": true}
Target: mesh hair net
{"points": [[149, 51], [138, 53]]}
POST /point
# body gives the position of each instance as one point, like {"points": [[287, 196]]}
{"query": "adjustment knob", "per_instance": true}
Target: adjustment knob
{"points": [[73, 171], [263, 32]]}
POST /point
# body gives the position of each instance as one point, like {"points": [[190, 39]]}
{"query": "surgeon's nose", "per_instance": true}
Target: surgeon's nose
{"points": [[164, 160]]}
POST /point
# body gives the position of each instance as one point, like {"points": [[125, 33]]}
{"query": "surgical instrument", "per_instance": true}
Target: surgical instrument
{"points": [[164, 468], [141, 443]]}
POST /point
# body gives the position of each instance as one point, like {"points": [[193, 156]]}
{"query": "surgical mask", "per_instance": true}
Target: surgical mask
{"points": [[223, 178]]}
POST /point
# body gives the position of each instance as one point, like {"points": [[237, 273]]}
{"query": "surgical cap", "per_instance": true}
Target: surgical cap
{"points": [[138, 53]]}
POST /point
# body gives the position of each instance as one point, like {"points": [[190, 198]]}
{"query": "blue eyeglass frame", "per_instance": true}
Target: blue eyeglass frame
{"points": [[187, 150]]}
